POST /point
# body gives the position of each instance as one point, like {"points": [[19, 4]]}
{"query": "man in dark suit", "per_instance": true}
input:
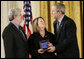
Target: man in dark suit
{"points": [[65, 32], [15, 41]]}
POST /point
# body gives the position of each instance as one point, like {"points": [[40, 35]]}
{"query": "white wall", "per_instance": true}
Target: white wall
{"points": [[5, 6]]}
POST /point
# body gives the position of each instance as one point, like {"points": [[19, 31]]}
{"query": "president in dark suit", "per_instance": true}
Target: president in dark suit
{"points": [[15, 41], [65, 32]]}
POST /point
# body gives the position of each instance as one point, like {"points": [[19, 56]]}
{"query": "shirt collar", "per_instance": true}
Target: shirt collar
{"points": [[15, 25], [61, 19]]}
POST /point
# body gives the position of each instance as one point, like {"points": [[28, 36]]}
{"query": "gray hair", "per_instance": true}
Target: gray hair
{"points": [[60, 7], [13, 12]]}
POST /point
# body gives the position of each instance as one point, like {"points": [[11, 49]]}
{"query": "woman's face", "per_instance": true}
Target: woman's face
{"points": [[41, 23]]}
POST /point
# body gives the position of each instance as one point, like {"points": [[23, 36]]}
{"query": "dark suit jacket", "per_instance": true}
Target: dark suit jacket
{"points": [[14, 43], [34, 45], [66, 40]]}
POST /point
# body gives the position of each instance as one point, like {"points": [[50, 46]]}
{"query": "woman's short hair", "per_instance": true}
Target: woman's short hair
{"points": [[13, 12], [60, 7], [35, 24]]}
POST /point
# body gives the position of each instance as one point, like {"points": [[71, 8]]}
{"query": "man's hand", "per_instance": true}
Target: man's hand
{"points": [[41, 51], [51, 49], [50, 44]]}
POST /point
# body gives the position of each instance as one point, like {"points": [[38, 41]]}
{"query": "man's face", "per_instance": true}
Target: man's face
{"points": [[54, 12], [19, 17]]}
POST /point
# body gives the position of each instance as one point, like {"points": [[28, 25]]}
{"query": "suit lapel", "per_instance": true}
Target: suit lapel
{"points": [[18, 32], [55, 27]]}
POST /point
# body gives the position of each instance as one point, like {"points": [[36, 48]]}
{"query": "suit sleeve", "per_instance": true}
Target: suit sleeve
{"points": [[32, 49], [70, 37], [8, 45]]}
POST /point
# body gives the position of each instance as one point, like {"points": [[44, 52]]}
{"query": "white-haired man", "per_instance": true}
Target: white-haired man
{"points": [[15, 41]]}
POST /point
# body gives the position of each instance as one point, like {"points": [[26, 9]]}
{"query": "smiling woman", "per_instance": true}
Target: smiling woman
{"points": [[38, 41]]}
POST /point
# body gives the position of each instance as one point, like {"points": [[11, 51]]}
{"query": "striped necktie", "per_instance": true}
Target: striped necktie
{"points": [[22, 32], [58, 25]]}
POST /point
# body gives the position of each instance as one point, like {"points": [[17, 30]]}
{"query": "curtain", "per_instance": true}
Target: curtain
{"points": [[74, 10]]}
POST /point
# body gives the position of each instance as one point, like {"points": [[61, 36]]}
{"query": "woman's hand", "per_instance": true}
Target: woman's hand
{"points": [[41, 51]]}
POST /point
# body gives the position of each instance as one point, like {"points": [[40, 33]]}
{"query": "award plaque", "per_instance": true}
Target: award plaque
{"points": [[44, 45]]}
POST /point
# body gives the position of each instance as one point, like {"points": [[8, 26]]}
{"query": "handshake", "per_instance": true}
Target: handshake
{"points": [[50, 48]]}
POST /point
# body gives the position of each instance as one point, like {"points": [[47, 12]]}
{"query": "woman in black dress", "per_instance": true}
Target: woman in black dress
{"points": [[40, 34]]}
